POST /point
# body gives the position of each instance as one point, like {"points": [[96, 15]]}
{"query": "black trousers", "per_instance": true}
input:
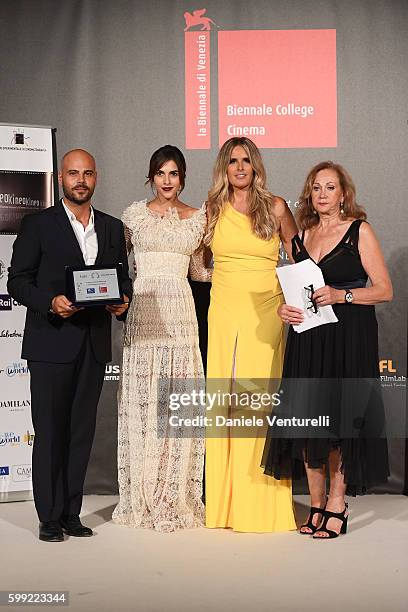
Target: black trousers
{"points": [[64, 399]]}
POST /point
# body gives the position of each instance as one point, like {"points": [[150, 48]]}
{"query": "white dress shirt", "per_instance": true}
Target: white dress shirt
{"points": [[86, 236]]}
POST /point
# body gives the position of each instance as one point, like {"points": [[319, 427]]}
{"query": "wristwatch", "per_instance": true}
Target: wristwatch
{"points": [[348, 298]]}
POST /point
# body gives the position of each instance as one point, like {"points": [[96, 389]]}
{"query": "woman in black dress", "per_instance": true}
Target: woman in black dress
{"points": [[335, 235]]}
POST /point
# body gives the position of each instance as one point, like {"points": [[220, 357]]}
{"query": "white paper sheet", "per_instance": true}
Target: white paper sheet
{"points": [[296, 281]]}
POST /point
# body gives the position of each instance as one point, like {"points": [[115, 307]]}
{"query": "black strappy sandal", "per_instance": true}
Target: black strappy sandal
{"points": [[313, 528], [333, 534]]}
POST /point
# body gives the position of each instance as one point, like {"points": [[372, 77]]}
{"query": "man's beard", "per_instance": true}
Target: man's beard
{"points": [[72, 196]]}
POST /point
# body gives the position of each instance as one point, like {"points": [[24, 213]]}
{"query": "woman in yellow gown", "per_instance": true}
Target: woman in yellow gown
{"points": [[245, 226]]}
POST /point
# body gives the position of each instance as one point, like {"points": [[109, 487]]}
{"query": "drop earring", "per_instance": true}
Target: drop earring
{"points": [[341, 208]]}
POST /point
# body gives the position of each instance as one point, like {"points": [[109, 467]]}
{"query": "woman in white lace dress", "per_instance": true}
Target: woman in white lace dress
{"points": [[160, 475]]}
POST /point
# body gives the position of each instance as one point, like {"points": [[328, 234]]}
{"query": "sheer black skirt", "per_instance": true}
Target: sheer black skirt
{"points": [[332, 371]]}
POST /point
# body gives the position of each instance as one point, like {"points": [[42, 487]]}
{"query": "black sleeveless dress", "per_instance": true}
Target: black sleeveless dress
{"points": [[337, 366]]}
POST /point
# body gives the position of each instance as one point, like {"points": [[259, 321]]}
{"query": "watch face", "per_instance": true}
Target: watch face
{"points": [[349, 297]]}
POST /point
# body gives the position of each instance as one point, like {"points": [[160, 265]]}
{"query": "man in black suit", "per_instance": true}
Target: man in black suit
{"points": [[66, 347]]}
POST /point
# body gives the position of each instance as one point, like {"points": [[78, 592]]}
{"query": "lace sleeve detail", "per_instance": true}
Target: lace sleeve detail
{"points": [[200, 269], [128, 239]]}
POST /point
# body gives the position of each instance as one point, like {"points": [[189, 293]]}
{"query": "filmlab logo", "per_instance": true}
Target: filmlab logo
{"points": [[21, 473], [112, 372], [19, 368], [285, 105], [9, 438], [392, 378]]}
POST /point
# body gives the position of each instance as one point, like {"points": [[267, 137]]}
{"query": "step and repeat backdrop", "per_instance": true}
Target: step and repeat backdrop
{"points": [[26, 186], [306, 80]]}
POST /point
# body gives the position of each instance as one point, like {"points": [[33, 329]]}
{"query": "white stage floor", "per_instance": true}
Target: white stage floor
{"points": [[124, 569]]}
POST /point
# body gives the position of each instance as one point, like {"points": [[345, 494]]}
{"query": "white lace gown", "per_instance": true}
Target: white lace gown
{"points": [[160, 478]]}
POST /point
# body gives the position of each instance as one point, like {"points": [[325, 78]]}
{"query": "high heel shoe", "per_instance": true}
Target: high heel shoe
{"points": [[313, 510], [330, 533]]}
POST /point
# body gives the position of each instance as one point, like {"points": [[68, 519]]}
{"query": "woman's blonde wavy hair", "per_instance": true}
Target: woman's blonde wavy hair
{"points": [[263, 220], [305, 214]]}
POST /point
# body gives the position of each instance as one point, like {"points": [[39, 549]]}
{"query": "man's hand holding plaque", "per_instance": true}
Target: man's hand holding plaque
{"points": [[62, 306], [120, 308]]}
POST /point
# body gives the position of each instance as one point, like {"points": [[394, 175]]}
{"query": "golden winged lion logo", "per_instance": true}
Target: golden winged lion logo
{"points": [[196, 18]]}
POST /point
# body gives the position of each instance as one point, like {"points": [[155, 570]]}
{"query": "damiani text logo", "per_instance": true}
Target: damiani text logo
{"points": [[15, 404]]}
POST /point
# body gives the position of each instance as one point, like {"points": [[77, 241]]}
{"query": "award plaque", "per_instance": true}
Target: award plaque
{"points": [[94, 285]]}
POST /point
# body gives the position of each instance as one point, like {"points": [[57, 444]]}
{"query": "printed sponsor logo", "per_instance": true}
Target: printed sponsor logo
{"points": [[7, 302], [9, 438], [4, 470], [196, 18], [28, 438], [283, 107], [103, 289], [2, 268], [18, 368], [90, 289], [386, 365], [19, 138], [15, 405], [389, 374], [10, 333], [21, 473], [112, 372]]}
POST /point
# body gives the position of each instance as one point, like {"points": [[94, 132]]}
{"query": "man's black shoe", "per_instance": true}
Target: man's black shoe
{"points": [[72, 526], [50, 531]]}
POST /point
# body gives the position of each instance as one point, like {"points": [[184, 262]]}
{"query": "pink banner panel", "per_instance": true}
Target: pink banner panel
{"points": [[197, 90], [278, 87]]}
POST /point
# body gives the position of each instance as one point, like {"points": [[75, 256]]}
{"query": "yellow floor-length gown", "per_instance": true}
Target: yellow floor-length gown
{"points": [[244, 341]]}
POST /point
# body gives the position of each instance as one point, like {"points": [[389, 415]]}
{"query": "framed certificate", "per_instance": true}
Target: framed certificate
{"points": [[94, 285]]}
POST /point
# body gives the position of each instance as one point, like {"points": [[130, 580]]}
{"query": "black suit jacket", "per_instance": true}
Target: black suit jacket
{"points": [[46, 244]]}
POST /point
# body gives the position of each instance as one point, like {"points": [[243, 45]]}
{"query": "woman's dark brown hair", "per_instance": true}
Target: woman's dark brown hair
{"points": [[163, 155]]}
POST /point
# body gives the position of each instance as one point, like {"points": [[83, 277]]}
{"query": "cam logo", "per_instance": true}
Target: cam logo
{"points": [[386, 365], [4, 470], [21, 473]]}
